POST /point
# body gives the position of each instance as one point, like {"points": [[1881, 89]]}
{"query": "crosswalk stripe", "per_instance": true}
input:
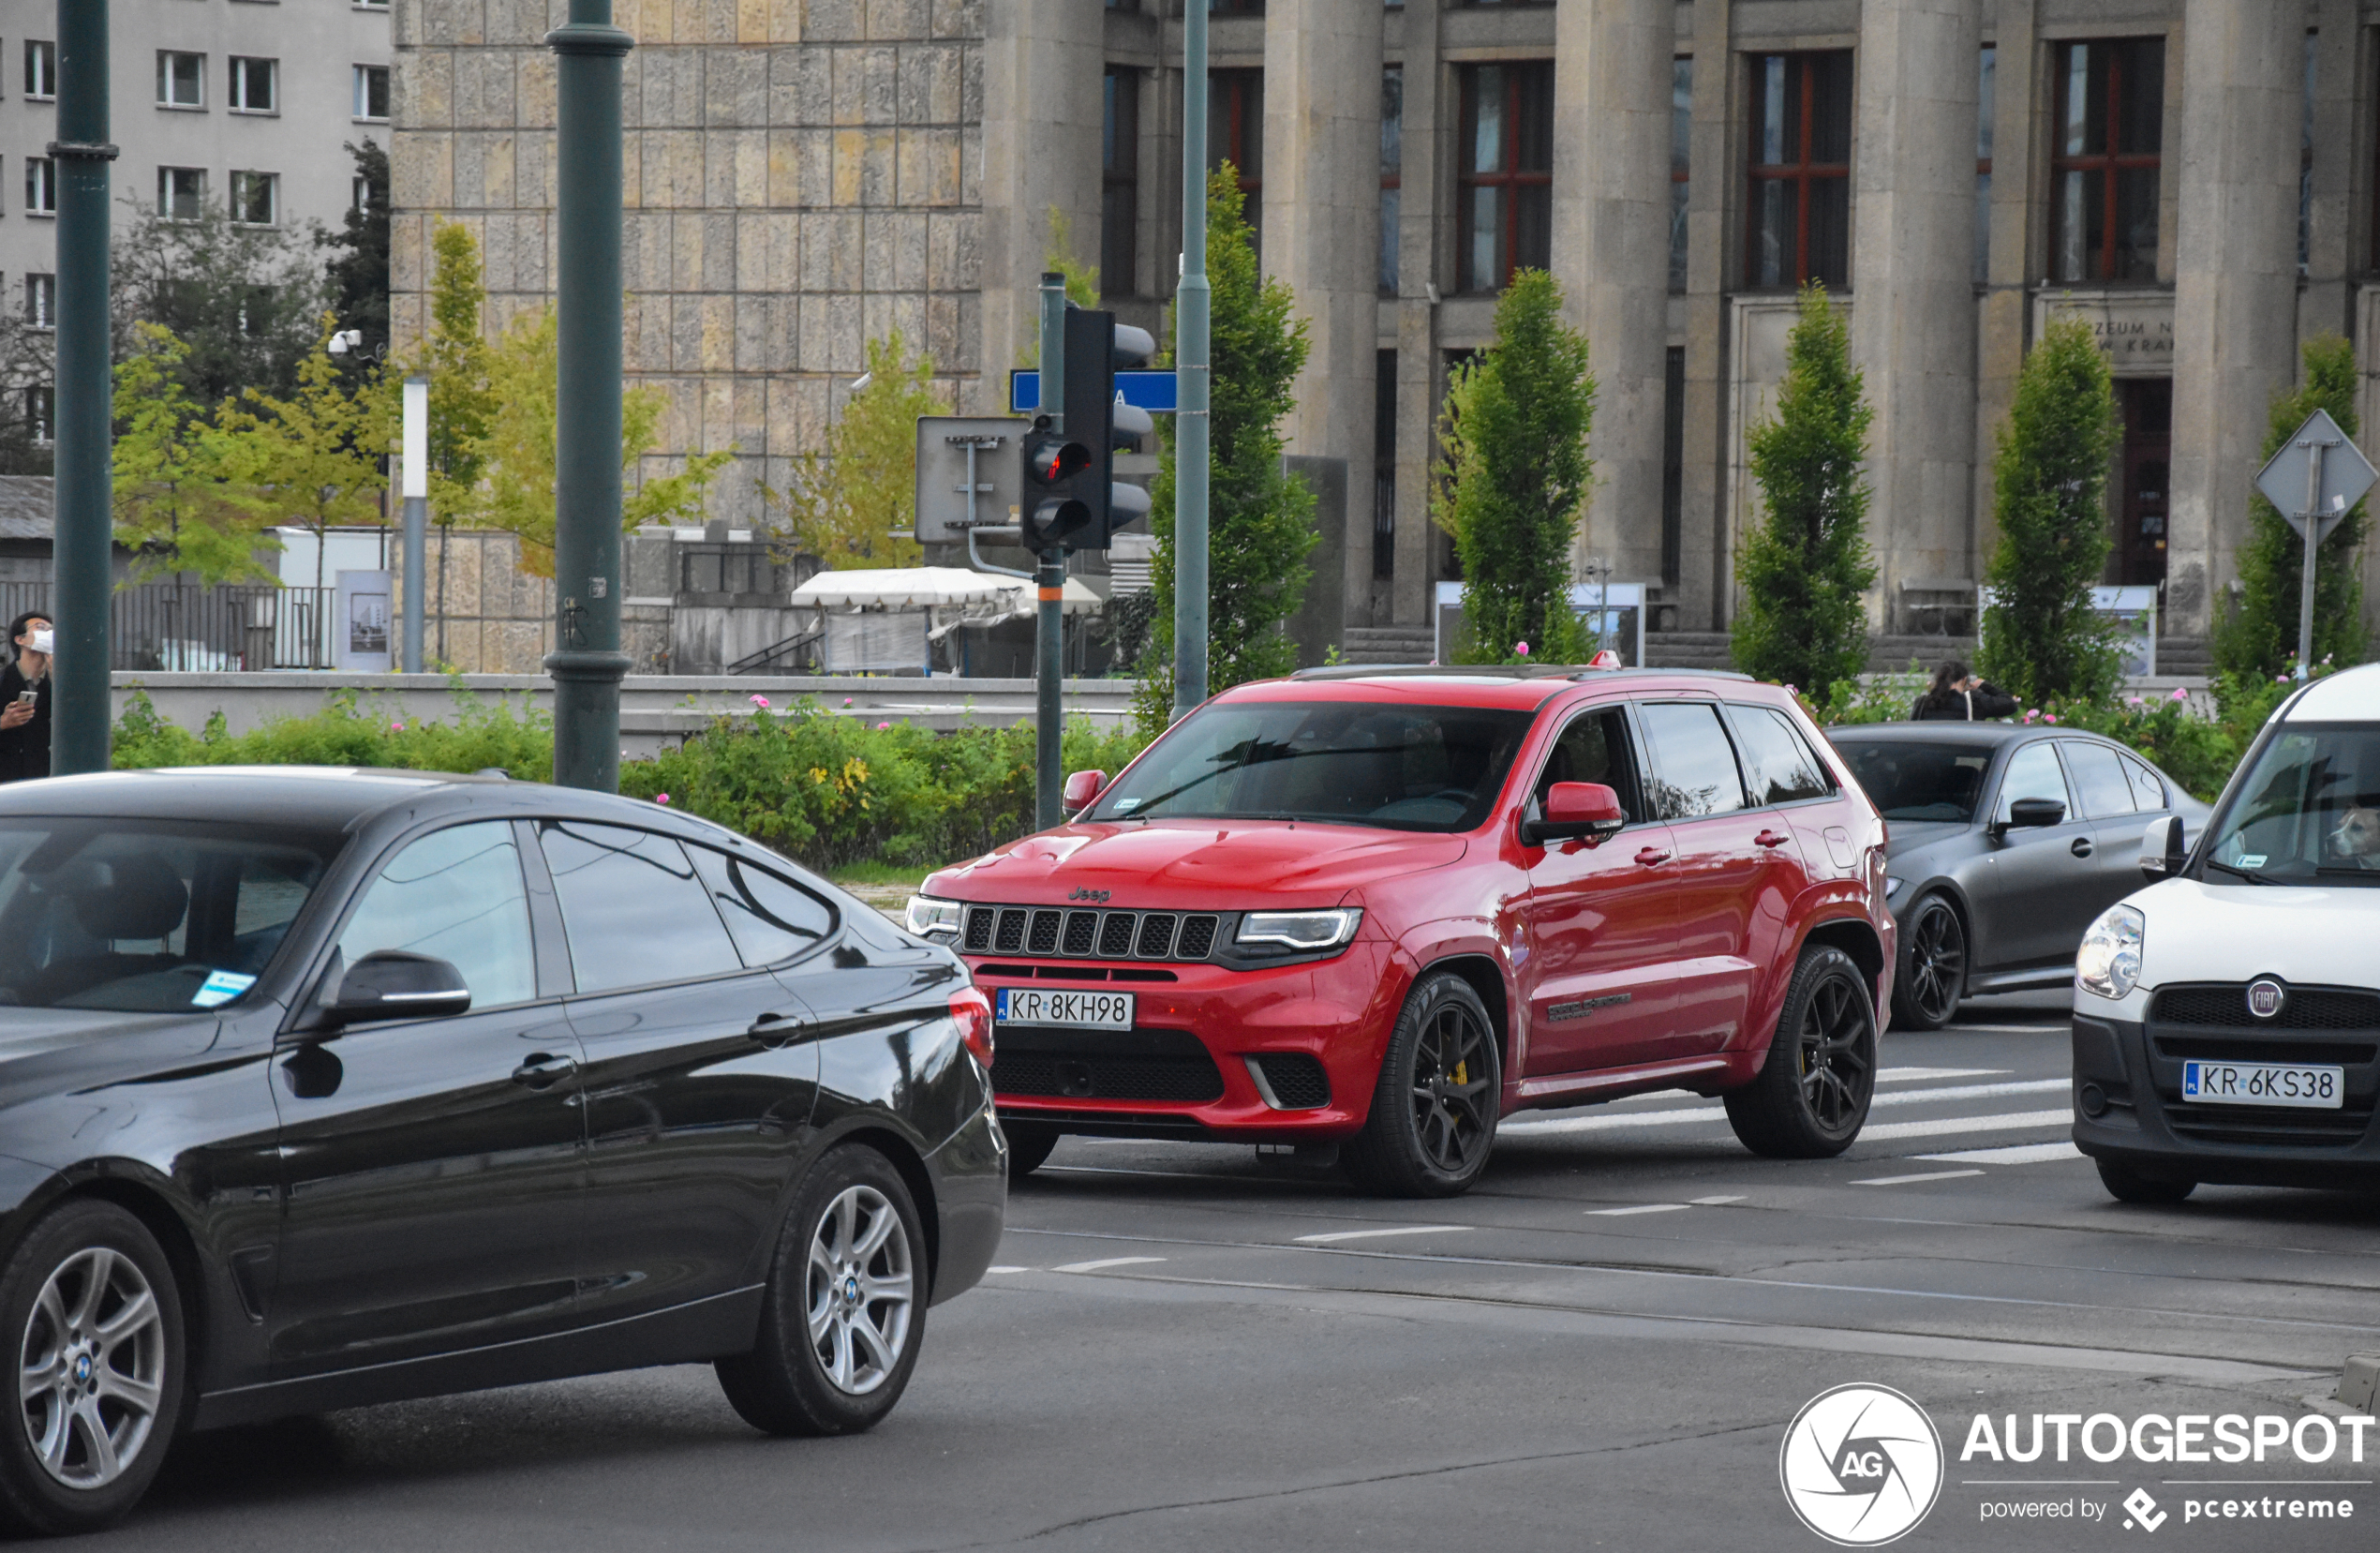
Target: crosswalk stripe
{"points": [[1337, 1236], [1911, 1075], [2020, 1154], [1639, 1208], [1694, 1114], [1937, 1127], [1104, 1263], [1907, 1180]]}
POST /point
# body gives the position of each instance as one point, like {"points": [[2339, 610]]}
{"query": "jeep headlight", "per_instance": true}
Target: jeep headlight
{"points": [[2109, 962], [929, 916], [1300, 930]]}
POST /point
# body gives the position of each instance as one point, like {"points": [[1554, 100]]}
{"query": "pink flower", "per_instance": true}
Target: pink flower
{"points": [[760, 701], [2180, 693], [661, 799], [2132, 700], [2051, 718], [846, 700], [882, 726], [397, 727], [1521, 647], [2031, 713]]}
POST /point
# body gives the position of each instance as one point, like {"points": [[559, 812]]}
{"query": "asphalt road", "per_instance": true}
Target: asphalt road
{"points": [[1602, 1347]]}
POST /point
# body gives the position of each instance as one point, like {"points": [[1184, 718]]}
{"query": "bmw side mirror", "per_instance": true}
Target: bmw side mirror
{"points": [[396, 984], [1083, 790], [2162, 848], [2031, 814], [1574, 811]]}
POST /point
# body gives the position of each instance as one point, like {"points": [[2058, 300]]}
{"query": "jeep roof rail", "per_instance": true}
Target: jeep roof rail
{"points": [[1505, 671]]}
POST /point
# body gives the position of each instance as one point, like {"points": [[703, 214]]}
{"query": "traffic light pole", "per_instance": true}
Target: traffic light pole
{"points": [[83, 401], [587, 662], [1050, 581], [1192, 313]]}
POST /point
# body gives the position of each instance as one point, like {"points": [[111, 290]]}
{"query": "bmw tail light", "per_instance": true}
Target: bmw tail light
{"points": [[970, 1011]]}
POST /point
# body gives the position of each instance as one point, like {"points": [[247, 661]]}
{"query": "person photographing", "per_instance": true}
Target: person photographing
{"points": [[25, 700], [1959, 697]]}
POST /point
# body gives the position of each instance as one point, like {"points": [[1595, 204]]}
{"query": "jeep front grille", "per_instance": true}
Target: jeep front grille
{"points": [[1046, 933]]}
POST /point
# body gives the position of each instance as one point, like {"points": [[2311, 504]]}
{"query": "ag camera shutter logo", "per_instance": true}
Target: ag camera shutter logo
{"points": [[1861, 1465]]}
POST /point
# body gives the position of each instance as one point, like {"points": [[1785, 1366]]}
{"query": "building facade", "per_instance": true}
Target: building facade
{"points": [[2196, 177]]}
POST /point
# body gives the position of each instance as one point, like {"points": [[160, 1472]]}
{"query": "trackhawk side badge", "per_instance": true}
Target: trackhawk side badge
{"points": [[1556, 1013]]}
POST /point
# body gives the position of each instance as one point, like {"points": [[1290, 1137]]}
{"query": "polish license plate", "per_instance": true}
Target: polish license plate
{"points": [[2310, 1088], [1071, 1010]]}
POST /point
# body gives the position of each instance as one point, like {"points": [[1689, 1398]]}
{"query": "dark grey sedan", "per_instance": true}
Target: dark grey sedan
{"points": [[2007, 840]]}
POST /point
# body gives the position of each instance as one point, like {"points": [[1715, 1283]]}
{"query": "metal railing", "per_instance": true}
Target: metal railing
{"points": [[190, 628]]}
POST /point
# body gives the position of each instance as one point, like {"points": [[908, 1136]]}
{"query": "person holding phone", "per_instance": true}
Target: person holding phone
{"points": [[25, 700], [1959, 697]]}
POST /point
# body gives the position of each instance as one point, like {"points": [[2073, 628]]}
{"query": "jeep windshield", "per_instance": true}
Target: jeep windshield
{"points": [[1397, 766], [2307, 811]]}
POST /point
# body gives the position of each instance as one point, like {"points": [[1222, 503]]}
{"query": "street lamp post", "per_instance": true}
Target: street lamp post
{"points": [[417, 509], [83, 401], [587, 662], [1192, 312]]}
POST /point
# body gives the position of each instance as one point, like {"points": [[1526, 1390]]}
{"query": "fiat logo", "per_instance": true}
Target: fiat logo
{"points": [[2265, 996]]}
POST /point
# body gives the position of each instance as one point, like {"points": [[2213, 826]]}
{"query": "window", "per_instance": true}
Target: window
{"points": [[2305, 158], [41, 67], [2292, 818], [2108, 130], [40, 411], [1503, 204], [2148, 793], [1681, 162], [1594, 747], [1384, 464], [372, 5], [41, 301], [1119, 184], [371, 90], [1781, 764], [455, 895], [41, 187], [1673, 466], [181, 193], [255, 86], [635, 910], [181, 79], [2033, 773], [1990, 70], [1919, 782], [1235, 8], [1799, 218], [1391, 172], [770, 919], [1694, 772], [1235, 134], [358, 194], [255, 199], [2099, 779]]}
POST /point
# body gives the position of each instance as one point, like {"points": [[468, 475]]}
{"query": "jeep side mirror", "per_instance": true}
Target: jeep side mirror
{"points": [[1575, 810], [2162, 848], [398, 984], [1082, 789]]}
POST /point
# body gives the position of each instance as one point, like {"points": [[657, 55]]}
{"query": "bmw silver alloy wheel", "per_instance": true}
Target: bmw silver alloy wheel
{"points": [[91, 1368], [861, 1289]]}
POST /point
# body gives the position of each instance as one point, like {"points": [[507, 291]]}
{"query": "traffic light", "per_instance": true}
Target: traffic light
{"points": [[1071, 499], [1054, 513]]}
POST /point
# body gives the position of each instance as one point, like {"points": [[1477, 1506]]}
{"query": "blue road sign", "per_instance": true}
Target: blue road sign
{"points": [[1150, 391]]}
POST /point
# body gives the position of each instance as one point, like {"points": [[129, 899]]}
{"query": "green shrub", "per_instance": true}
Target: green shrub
{"points": [[351, 730]]}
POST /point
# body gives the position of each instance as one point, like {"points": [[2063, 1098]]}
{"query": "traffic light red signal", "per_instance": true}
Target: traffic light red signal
{"points": [[1053, 512]]}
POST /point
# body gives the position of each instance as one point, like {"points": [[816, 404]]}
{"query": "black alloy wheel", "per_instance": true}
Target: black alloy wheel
{"points": [[1813, 1094], [1934, 970], [1441, 1089]]}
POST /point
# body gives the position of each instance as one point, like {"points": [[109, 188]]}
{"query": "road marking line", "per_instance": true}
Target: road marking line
{"points": [[1104, 1263], [1906, 1075], [1640, 1208], [1007, 1269], [1715, 1202], [2022, 1154], [1937, 1127], [1905, 1180], [1374, 1235], [1696, 1115]]}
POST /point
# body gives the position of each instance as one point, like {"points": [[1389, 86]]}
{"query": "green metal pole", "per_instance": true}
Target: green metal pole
{"points": [[1192, 315], [82, 402], [1050, 579], [587, 662]]}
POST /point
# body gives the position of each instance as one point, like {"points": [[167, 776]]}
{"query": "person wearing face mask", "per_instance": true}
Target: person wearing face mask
{"points": [[25, 700]]}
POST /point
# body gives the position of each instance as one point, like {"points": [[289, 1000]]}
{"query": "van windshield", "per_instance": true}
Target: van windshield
{"points": [[2307, 811], [1398, 766]]}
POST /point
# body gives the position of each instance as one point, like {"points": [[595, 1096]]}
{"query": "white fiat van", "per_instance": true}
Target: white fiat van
{"points": [[2227, 1017]]}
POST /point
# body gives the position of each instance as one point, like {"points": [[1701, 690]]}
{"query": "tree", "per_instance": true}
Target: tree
{"points": [[1513, 474], [524, 371], [312, 459], [358, 270], [173, 508], [1261, 524], [28, 368], [854, 504], [244, 299], [462, 403], [2257, 633], [1805, 564], [2042, 638]]}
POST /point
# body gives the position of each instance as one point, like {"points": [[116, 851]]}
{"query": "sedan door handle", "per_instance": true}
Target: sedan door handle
{"points": [[774, 1029], [543, 1069], [1652, 856], [1770, 838], [2081, 847]]}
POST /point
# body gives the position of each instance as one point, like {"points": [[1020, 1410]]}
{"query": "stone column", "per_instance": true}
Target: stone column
{"points": [[1322, 234], [2235, 282], [2325, 310], [1611, 253], [2005, 318], [1705, 574], [1043, 109], [1912, 280], [1416, 340]]}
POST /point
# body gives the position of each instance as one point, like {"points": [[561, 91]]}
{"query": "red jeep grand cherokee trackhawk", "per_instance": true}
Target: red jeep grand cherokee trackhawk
{"points": [[1388, 906]]}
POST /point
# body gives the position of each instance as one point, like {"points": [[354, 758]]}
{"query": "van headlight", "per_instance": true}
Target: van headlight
{"points": [[929, 916], [1300, 930], [2109, 961]]}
